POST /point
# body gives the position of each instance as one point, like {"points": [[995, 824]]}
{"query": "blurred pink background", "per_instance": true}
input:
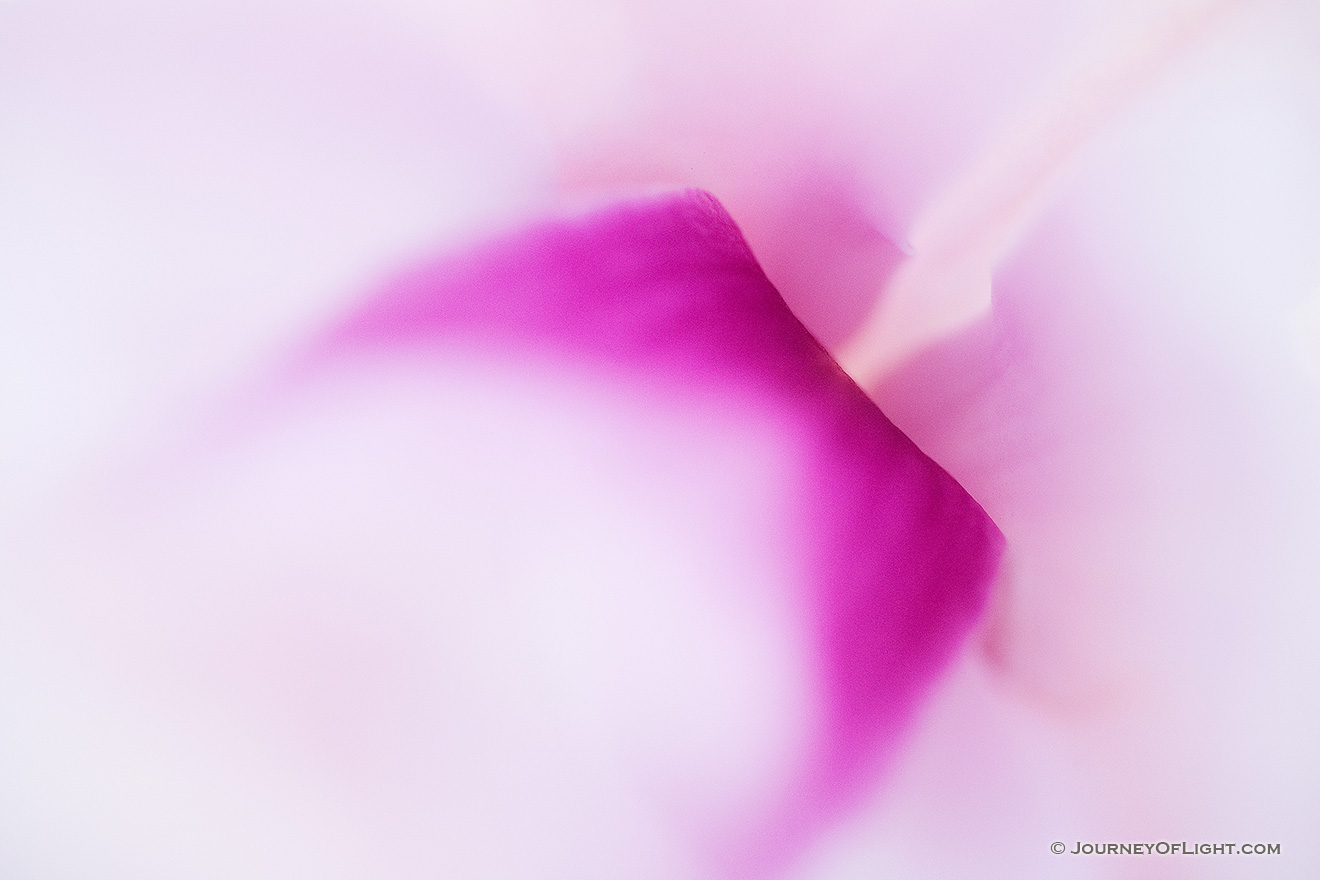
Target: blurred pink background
{"points": [[462, 616]]}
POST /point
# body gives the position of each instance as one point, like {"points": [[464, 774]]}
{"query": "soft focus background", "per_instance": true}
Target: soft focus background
{"points": [[1072, 249]]}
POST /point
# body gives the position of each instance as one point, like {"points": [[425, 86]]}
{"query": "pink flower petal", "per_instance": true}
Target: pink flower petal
{"points": [[574, 553], [664, 292]]}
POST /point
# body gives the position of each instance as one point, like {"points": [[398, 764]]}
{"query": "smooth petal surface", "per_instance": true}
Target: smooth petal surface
{"points": [[897, 558], [184, 188], [1082, 236], [586, 497], [1137, 418]]}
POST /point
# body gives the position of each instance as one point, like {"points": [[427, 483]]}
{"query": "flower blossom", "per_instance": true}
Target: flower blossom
{"points": [[413, 472]]}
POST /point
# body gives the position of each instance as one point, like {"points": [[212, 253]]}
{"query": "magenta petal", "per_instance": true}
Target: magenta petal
{"points": [[666, 291]]}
